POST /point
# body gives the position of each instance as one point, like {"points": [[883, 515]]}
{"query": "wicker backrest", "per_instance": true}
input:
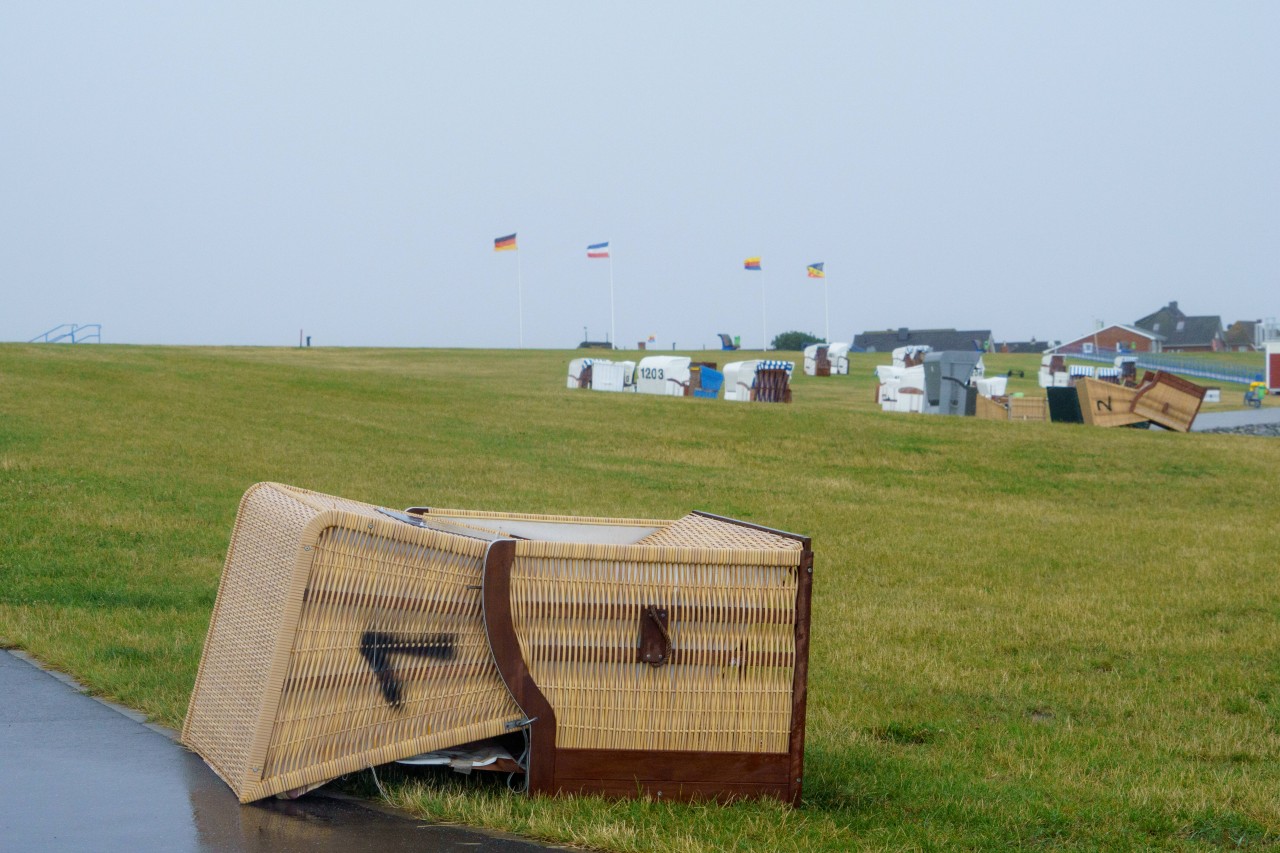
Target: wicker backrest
{"points": [[728, 597], [988, 409], [340, 638], [1028, 409], [1168, 400]]}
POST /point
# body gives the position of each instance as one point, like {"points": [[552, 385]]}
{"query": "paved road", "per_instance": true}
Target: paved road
{"points": [[1230, 420], [79, 774]]}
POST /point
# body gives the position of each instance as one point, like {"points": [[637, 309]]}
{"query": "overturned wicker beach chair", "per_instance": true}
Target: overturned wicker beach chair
{"points": [[641, 657]]}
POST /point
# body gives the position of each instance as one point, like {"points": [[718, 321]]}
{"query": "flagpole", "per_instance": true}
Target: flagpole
{"points": [[764, 323], [826, 299], [520, 296], [613, 331]]}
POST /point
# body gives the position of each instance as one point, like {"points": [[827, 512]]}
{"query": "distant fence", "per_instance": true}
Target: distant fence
{"points": [[71, 333], [1177, 363]]}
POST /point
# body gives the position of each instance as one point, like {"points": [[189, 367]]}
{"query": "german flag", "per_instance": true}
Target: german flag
{"points": [[505, 244]]}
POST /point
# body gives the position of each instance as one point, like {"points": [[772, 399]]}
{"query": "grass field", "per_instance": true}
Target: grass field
{"points": [[1024, 635]]}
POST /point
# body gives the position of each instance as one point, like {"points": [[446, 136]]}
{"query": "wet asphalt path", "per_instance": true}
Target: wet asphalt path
{"points": [[1235, 419], [79, 774]]}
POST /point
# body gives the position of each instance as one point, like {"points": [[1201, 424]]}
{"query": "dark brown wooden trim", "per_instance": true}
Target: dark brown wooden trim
{"points": [[504, 644], [673, 775], [719, 791], [655, 636], [757, 768], [800, 682]]}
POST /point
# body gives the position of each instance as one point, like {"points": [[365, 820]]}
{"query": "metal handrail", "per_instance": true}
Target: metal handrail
{"points": [[45, 337], [75, 333], [1173, 364]]}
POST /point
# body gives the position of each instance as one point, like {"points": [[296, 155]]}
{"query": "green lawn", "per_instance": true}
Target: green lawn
{"points": [[1024, 635]]}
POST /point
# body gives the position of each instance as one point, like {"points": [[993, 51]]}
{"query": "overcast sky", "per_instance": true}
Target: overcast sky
{"points": [[231, 173]]}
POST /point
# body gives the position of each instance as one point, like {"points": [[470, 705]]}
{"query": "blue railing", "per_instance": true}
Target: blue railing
{"points": [[70, 332], [1198, 367]]}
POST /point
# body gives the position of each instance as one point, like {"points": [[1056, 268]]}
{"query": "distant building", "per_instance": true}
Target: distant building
{"points": [[1242, 336], [1114, 338], [1025, 347], [1182, 333], [937, 339]]}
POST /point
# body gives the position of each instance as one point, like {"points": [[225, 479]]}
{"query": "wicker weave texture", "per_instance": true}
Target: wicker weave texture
{"points": [[1028, 409], [701, 531], [1170, 401], [340, 639], [728, 686], [988, 409], [226, 707], [1106, 404]]}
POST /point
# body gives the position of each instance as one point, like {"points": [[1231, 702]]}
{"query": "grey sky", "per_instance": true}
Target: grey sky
{"points": [[229, 173]]}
